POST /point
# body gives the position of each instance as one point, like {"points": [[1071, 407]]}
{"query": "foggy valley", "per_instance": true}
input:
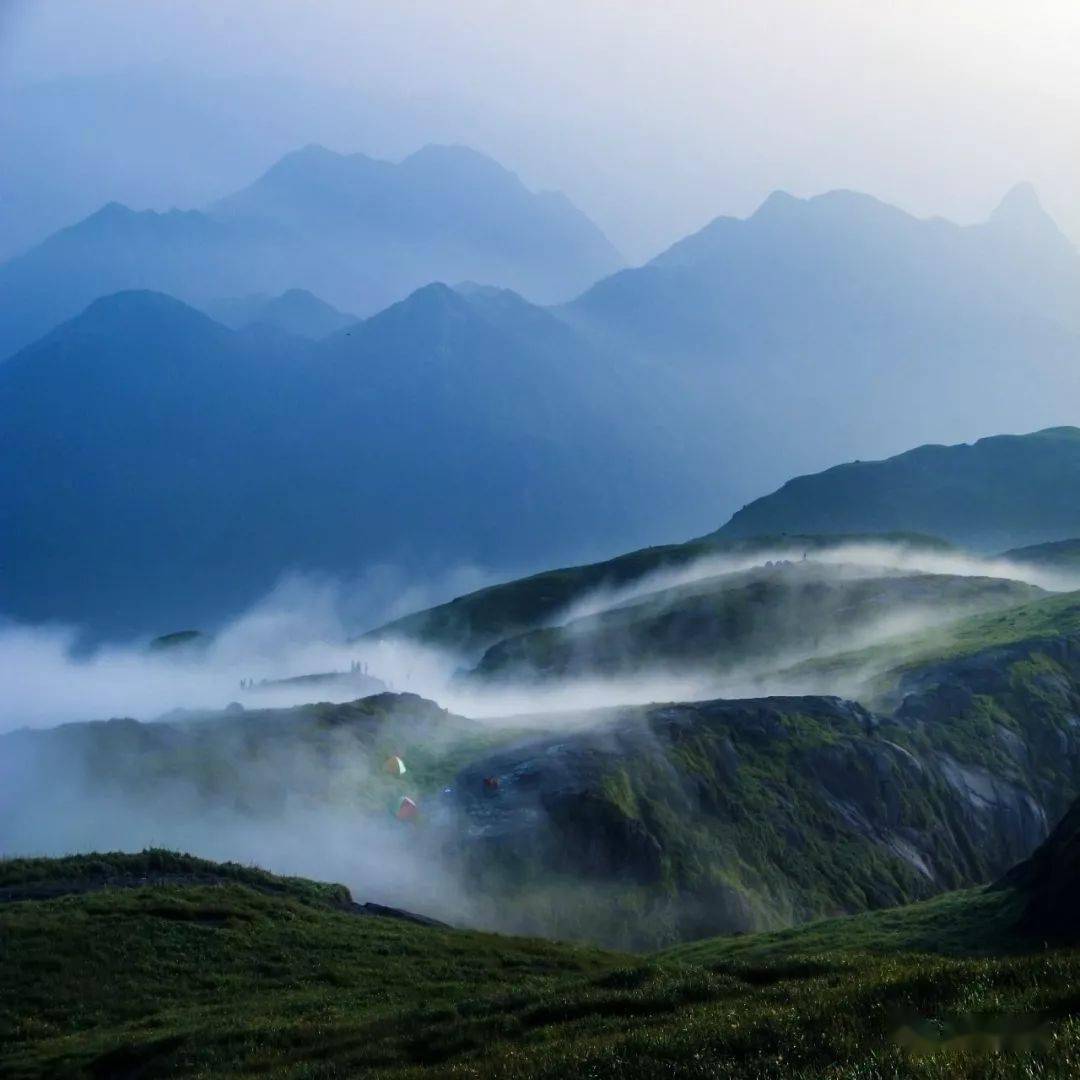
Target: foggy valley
{"points": [[539, 542]]}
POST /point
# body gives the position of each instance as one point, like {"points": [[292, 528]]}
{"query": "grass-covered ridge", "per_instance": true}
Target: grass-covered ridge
{"points": [[1058, 554], [636, 827], [969, 922], [881, 667], [226, 980], [709, 817], [1000, 492], [471, 623], [264, 759], [767, 812], [746, 618], [31, 878]]}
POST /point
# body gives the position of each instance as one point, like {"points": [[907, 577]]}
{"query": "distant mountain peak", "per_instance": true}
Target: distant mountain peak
{"points": [[110, 216], [849, 198], [120, 315], [838, 205], [777, 202], [1020, 199], [430, 300], [296, 311], [314, 150], [435, 291], [1021, 209], [460, 160], [113, 209], [129, 301], [449, 152]]}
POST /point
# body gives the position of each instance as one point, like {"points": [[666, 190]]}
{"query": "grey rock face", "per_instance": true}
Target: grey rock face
{"points": [[743, 814]]}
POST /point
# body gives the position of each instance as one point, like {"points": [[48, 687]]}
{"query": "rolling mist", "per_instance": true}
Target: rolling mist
{"points": [[263, 802], [309, 626]]}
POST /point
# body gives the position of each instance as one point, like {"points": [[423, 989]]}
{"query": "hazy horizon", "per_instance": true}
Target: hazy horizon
{"points": [[653, 122]]}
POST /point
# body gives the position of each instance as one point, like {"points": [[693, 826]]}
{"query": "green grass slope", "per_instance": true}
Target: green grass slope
{"points": [[969, 922], [999, 492], [469, 624], [1058, 555], [633, 827], [227, 981], [752, 616], [205, 979], [880, 668], [257, 761]]}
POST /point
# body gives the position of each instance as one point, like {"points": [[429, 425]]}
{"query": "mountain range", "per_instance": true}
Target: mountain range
{"points": [[818, 330], [357, 232], [468, 425], [158, 469], [295, 311]]}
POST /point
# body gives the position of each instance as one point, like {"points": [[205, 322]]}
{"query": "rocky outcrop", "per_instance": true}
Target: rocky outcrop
{"points": [[737, 815], [634, 826]]}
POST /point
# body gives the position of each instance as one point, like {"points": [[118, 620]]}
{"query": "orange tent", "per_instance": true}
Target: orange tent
{"points": [[394, 766]]}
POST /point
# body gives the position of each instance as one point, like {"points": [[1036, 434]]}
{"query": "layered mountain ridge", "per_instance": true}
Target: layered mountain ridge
{"points": [[357, 232], [646, 410], [443, 430]]}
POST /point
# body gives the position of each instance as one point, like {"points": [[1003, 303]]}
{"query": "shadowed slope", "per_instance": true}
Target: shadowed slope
{"points": [[1000, 491]]}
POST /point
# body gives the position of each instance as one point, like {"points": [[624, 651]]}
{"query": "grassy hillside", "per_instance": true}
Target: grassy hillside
{"points": [[225, 980], [632, 827], [1059, 555], [469, 624], [748, 617], [1033, 905], [666, 821], [968, 922], [1003, 491], [194, 977], [258, 762], [880, 668]]}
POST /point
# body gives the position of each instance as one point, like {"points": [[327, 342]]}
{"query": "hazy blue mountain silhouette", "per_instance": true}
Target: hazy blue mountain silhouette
{"points": [[158, 469], [1002, 491], [835, 327], [295, 311], [356, 232], [469, 425], [443, 214], [841, 266]]}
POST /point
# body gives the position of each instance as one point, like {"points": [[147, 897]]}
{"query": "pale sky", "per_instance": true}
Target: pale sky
{"points": [[652, 116]]}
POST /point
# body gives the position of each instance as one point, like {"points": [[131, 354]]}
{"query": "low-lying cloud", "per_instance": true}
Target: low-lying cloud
{"points": [[304, 627], [326, 812]]}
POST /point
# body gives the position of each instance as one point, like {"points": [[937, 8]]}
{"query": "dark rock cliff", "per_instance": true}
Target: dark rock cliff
{"points": [[727, 816]]}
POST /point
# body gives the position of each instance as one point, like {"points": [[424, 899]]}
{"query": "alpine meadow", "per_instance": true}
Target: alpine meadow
{"points": [[539, 540]]}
